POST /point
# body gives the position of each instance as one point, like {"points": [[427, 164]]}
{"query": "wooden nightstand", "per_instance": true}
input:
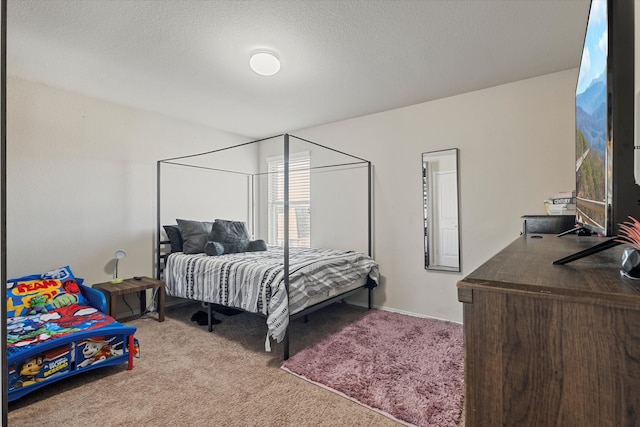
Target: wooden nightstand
{"points": [[129, 286]]}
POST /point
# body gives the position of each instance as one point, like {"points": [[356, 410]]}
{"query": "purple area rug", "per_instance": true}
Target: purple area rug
{"points": [[408, 368]]}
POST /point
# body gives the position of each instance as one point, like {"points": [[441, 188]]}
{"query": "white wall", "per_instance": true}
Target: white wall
{"points": [[516, 146], [218, 187], [82, 180], [338, 195]]}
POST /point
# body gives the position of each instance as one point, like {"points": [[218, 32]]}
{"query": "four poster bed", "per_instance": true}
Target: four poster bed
{"points": [[222, 262]]}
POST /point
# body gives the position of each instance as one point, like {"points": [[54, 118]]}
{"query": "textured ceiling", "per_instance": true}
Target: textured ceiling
{"points": [[340, 59]]}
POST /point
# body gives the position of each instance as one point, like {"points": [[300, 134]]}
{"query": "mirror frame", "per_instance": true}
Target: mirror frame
{"points": [[429, 209]]}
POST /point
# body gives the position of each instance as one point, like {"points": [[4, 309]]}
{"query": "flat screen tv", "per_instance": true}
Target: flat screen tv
{"points": [[606, 189]]}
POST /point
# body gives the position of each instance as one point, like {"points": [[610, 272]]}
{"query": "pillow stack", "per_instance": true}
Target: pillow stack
{"points": [[213, 238]]}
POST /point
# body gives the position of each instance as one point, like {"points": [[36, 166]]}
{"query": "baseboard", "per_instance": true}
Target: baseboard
{"points": [[394, 310], [172, 302]]}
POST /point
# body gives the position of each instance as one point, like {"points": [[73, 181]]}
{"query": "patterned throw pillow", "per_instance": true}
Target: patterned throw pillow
{"points": [[40, 293]]}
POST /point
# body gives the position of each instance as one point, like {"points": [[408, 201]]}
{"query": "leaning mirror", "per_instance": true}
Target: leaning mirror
{"points": [[440, 202]]}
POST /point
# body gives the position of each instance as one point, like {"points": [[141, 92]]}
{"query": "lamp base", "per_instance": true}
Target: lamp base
{"points": [[115, 281]]}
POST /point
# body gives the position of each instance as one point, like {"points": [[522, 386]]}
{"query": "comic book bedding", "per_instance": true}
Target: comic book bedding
{"points": [[254, 281], [56, 328]]}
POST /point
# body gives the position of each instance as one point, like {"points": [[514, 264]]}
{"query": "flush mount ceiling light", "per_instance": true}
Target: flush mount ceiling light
{"points": [[264, 63]]}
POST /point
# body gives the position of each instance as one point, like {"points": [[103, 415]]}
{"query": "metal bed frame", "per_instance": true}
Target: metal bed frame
{"points": [[161, 254]]}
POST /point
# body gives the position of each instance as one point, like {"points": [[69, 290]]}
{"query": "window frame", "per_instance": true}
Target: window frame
{"points": [[299, 197]]}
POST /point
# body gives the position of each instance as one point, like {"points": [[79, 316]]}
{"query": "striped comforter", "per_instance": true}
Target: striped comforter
{"points": [[254, 281]]}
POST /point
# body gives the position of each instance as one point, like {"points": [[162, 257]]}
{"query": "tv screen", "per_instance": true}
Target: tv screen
{"points": [[606, 193]]}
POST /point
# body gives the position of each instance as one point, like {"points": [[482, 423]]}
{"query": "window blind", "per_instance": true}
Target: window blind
{"points": [[299, 200]]}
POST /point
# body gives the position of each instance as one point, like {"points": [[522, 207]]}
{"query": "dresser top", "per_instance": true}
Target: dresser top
{"points": [[527, 265]]}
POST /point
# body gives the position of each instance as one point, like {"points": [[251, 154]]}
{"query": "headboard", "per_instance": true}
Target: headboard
{"points": [[164, 251]]}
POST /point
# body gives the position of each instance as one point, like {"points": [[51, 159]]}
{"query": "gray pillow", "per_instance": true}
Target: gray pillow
{"points": [[173, 233], [195, 235], [213, 248], [233, 235], [257, 245]]}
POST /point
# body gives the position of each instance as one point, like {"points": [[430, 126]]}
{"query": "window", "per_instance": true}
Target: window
{"points": [[299, 200]]}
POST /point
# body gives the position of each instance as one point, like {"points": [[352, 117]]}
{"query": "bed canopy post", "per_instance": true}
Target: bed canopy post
{"points": [[370, 223], [158, 254], [251, 211], [3, 203], [286, 235], [370, 208]]}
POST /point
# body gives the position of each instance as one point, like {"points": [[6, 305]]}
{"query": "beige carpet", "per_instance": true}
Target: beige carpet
{"points": [[187, 376]]}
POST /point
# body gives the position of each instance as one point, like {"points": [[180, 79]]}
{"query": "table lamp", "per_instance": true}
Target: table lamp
{"points": [[120, 254]]}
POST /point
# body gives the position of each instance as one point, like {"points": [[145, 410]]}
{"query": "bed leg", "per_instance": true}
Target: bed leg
{"points": [[132, 352], [210, 317], [286, 345], [370, 295]]}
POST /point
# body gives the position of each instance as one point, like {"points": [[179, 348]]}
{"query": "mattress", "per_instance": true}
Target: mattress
{"points": [[254, 281], [24, 333]]}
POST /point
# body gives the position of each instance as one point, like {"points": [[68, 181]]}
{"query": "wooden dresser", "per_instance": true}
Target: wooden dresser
{"points": [[551, 345]]}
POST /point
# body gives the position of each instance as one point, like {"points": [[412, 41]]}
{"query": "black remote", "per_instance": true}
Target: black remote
{"points": [[137, 278]]}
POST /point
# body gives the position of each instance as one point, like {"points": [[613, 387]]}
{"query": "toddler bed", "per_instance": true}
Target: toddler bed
{"points": [[56, 328]]}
